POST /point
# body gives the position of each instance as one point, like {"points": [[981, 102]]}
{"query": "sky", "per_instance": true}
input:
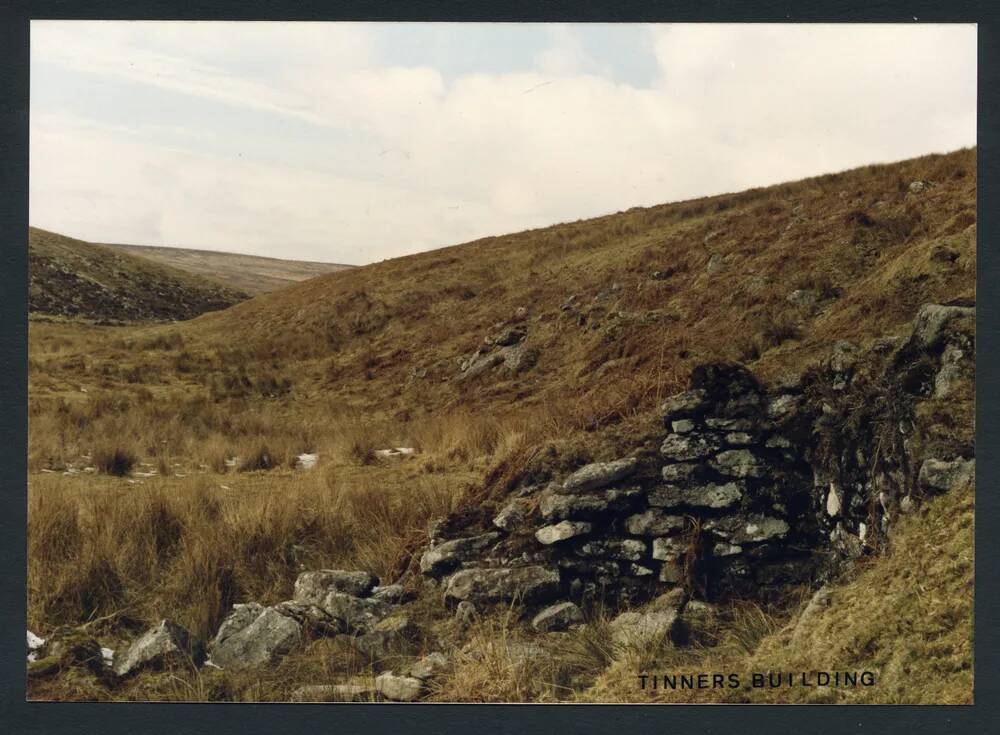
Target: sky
{"points": [[357, 142]]}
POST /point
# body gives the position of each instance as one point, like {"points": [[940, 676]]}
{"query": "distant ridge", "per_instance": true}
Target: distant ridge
{"points": [[72, 278], [253, 274]]}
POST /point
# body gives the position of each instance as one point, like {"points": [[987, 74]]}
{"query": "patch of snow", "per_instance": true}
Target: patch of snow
{"points": [[397, 452], [34, 641], [306, 461]]}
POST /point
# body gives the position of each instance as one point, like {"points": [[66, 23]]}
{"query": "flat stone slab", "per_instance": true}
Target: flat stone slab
{"points": [[529, 585], [599, 474], [561, 531]]}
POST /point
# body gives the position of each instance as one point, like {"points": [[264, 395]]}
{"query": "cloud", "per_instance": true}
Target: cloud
{"points": [[361, 159]]}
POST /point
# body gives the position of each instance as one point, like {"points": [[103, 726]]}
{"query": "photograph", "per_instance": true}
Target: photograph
{"points": [[481, 362]]}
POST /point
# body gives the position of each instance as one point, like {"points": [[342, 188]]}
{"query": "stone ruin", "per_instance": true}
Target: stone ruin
{"points": [[722, 508], [751, 492]]}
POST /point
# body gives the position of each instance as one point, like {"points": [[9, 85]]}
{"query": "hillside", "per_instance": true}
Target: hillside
{"points": [[72, 278], [177, 470], [252, 274], [620, 308]]}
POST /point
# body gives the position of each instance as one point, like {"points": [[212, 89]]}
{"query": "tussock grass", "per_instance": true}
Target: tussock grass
{"points": [[189, 548], [117, 461]]}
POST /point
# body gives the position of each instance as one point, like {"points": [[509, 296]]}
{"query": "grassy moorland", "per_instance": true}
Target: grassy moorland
{"points": [[249, 273], [162, 477]]}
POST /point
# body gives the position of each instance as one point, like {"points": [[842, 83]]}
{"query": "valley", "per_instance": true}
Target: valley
{"points": [[166, 478]]}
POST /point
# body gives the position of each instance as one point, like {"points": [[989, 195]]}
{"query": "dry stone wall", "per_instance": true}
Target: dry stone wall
{"points": [[752, 490]]}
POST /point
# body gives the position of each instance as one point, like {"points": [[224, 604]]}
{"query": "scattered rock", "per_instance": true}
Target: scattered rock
{"points": [[520, 358], [932, 324], [165, 646], [239, 618], [598, 475], [362, 691], [820, 600], [312, 618], [398, 688], [391, 594], [643, 629], [715, 264], [557, 617], [511, 336], [513, 515], [465, 613], [440, 559], [312, 587], [264, 641], [529, 585], [671, 601], [354, 614], [395, 635], [957, 365], [938, 476], [684, 405], [561, 531], [430, 666]]}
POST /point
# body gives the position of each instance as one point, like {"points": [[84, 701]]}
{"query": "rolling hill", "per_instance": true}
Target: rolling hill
{"points": [[618, 309], [252, 274], [73, 278]]}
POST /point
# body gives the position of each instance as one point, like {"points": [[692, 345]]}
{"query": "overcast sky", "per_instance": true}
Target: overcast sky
{"points": [[353, 143]]}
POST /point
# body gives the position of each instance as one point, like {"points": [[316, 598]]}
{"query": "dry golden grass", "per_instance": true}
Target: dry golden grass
{"points": [[193, 546], [366, 359]]}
